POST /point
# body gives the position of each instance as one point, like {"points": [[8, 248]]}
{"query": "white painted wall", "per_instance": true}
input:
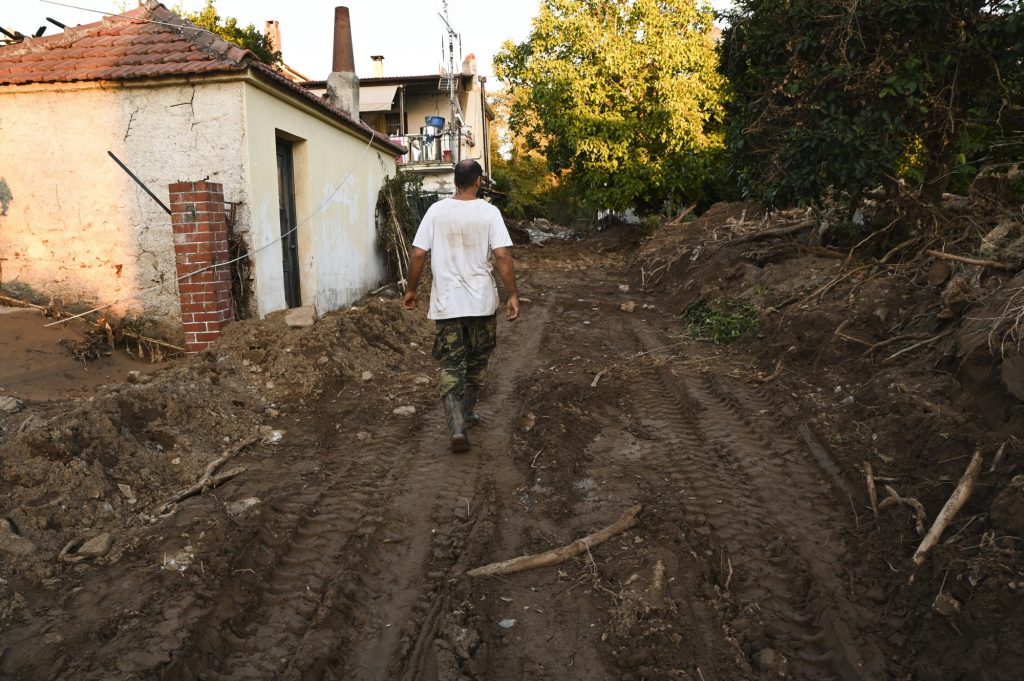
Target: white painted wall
{"points": [[338, 177], [78, 228]]}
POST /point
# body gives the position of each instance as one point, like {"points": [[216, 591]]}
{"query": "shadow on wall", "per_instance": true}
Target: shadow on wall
{"points": [[5, 196]]}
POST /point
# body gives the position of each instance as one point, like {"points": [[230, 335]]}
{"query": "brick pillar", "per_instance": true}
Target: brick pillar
{"points": [[201, 240]]}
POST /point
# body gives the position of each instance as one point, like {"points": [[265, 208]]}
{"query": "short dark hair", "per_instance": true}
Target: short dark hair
{"points": [[466, 173]]}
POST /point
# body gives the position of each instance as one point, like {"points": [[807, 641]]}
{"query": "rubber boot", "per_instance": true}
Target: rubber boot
{"points": [[469, 407], [456, 422]]}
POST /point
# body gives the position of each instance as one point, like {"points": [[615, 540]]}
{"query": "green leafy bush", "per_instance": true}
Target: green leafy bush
{"points": [[720, 321]]}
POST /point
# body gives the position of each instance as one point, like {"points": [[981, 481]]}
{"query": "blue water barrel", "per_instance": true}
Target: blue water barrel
{"points": [[435, 121]]}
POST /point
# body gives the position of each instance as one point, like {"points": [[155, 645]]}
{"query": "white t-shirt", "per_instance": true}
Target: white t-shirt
{"points": [[460, 236]]}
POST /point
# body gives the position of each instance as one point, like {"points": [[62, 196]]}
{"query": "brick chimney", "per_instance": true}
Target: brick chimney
{"points": [[272, 30], [343, 83]]}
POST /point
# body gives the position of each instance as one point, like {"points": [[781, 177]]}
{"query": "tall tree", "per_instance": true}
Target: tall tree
{"points": [[227, 28], [847, 96], [622, 96]]}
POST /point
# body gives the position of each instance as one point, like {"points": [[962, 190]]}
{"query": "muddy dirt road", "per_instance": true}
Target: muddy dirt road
{"points": [[339, 553]]}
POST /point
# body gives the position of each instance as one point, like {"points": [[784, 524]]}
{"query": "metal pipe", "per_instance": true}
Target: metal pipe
{"points": [[139, 182], [401, 109]]}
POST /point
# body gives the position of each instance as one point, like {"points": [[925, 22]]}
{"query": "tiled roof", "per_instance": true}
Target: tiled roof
{"points": [[147, 42], [121, 48]]}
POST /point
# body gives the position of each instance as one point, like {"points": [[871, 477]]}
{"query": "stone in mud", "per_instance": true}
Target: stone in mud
{"points": [[237, 508], [628, 307], [407, 410], [767, 659], [97, 546], [301, 317], [10, 405], [13, 544]]}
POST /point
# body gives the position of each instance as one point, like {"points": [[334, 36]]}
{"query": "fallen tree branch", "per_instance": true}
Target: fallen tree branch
{"points": [[994, 264], [895, 339], [894, 498], [562, 554], [869, 474], [956, 501], [907, 349], [208, 479], [998, 458], [14, 302], [767, 233]]}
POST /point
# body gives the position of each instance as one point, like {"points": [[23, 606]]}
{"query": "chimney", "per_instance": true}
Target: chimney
{"points": [[469, 65], [343, 83], [378, 65], [272, 30]]}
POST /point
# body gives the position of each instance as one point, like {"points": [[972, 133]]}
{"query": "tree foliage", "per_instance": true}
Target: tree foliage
{"points": [[620, 97], [227, 28], [854, 95]]}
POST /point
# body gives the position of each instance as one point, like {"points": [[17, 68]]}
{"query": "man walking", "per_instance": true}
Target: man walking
{"points": [[460, 233]]}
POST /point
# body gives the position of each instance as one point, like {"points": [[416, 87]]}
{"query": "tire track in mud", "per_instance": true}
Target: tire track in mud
{"points": [[766, 504], [264, 620]]}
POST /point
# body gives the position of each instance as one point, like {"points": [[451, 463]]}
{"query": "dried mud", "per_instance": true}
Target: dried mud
{"points": [[339, 551]]}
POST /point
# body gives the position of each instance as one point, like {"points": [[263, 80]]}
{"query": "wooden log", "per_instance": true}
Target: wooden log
{"points": [[956, 501], [561, 554]]}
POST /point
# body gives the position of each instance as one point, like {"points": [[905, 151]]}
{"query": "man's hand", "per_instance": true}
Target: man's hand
{"points": [[410, 301], [513, 308]]}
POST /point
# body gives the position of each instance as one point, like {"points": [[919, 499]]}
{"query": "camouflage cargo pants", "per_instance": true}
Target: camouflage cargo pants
{"points": [[463, 345]]}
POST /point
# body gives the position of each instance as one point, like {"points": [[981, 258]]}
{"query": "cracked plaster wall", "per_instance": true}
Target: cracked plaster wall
{"points": [[338, 256], [78, 228]]}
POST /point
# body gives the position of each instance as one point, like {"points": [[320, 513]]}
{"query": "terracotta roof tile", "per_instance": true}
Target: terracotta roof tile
{"points": [[130, 47], [121, 47]]}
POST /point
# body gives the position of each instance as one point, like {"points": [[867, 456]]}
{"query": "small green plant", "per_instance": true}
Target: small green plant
{"points": [[720, 321]]}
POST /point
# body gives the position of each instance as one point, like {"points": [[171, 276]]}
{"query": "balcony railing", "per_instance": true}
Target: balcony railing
{"points": [[426, 150]]}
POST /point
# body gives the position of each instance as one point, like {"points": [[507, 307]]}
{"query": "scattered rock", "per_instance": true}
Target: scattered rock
{"points": [[507, 623], [407, 410], [78, 550], [10, 405], [624, 288], [273, 436], [529, 421], [137, 377], [367, 376], [253, 356], [422, 380], [126, 490], [97, 546], [628, 307], [271, 412], [237, 508], [301, 317], [13, 544], [414, 345], [363, 436], [945, 605], [768, 660]]}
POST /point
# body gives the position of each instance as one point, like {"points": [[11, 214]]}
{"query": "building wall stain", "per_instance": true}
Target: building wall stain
{"points": [[5, 197]]}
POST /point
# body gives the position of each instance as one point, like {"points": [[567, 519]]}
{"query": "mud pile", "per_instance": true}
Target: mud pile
{"points": [[102, 465], [903, 361]]}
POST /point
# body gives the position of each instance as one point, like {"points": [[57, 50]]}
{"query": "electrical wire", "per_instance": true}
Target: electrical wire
{"points": [[121, 16]]}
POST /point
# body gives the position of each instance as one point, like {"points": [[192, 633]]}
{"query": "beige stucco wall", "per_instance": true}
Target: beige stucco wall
{"points": [[337, 177], [78, 228]]}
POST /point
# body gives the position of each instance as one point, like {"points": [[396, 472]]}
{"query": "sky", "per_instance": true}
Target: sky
{"points": [[409, 33]]}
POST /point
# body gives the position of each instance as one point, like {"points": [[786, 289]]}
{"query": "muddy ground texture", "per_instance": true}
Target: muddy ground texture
{"points": [[337, 545]]}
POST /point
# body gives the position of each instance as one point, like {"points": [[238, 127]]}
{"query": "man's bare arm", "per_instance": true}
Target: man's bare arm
{"points": [[507, 273], [417, 261]]}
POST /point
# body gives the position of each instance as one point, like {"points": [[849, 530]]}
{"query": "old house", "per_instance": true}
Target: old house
{"points": [[202, 124], [441, 119]]}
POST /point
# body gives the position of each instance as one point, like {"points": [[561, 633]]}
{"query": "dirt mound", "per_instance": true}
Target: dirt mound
{"points": [[907, 365], [103, 464]]}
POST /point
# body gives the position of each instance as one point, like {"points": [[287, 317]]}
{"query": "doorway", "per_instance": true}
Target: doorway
{"points": [[289, 237]]}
